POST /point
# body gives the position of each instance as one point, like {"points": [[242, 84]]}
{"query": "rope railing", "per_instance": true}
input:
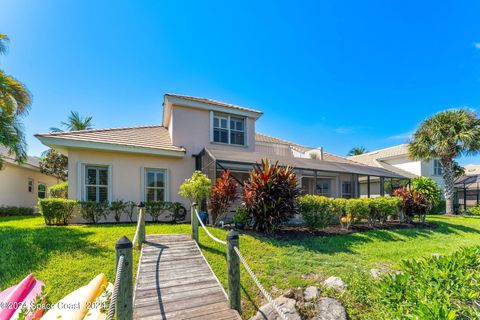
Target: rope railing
{"points": [[118, 276], [234, 276]]}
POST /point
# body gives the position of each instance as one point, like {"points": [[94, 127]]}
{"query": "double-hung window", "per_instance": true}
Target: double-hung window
{"points": [[437, 167], [42, 190], [229, 129], [96, 183], [31, 185], [155, 184]]}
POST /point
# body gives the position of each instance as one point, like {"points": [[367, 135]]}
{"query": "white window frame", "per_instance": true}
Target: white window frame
{"points": [[81, 186], [38, 190], [437, 168], [143, 182], [33, 185], [228, 117]]}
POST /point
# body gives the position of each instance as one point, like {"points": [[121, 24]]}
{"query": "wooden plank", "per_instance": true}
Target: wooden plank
{"points": [[175, 282]]}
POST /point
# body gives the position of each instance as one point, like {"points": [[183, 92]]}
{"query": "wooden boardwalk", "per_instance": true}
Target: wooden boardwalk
{"points": [[174, 281]]}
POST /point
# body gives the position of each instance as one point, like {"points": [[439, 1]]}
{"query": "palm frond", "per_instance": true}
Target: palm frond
{"points": [[14, 96], [3, 43]]}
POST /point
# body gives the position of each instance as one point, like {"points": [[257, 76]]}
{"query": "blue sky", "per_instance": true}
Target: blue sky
{"points": [[336, 74]]}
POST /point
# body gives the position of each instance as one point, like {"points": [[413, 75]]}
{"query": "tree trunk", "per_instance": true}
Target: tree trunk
{"points": [[449, 179]]}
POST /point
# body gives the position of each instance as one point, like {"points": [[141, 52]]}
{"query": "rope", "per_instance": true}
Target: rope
{"points": [[208, 232], [272, 302], [113, 300]]}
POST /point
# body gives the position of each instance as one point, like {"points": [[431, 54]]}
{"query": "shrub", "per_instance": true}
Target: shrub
{"points": [[473, 211], [197, 188], [93, 211], [355, 209], [130, 209], [413, 203], [428, 188], [156, 208], [381, 208], [59, 190], [318, 211], [178, 211], [57, 211], [223, 194], [446, 287], [269, 195], [241, 215], [16, 211], [118, 207]]}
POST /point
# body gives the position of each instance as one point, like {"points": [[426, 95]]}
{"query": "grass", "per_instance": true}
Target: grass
{"points": [[68, 257]]}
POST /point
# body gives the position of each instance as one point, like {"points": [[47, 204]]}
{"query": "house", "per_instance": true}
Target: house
{"points": [[21, 185], [150, 162], [472, 169], [397, 159]]}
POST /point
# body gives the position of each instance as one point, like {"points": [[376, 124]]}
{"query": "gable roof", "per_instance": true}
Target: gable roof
{"points": [[374, 158], [31, 161], [144, 139]]}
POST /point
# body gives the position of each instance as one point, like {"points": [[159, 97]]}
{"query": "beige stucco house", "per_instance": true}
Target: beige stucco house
{"points": [[150, 162], [21, 185]]}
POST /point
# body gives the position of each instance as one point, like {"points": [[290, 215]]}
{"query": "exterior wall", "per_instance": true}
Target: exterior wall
{"points": [[428, 171], [127, 173], [14, 185], [190, 128], [273, 149], [406, 164]]}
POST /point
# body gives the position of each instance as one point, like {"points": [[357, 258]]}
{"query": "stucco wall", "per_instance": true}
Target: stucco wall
{"points": [[190, 128], [406, 164], [127, 171], [428, 171], [14, 185]]}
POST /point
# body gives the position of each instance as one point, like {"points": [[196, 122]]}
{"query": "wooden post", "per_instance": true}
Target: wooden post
{"points": [[233, 271], [140, 233], [124, 305], [194, 221]]}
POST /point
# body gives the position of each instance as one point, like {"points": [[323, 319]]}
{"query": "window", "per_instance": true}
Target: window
{"points": [[346, 189], [323, 187], [228, 129], [155, 185], [30, 185], [437, 167], [42, 190], [96, 183]]}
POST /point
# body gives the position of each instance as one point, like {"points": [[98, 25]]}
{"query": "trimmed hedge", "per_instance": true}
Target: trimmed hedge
{"points": [[319, 212], [6, 211], [59, 190], [57, 211]]}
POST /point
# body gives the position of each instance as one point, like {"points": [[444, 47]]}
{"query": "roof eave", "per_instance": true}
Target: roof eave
{"points": [[61, 143]]}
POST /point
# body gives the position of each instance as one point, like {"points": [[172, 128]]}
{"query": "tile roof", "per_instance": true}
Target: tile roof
{"points": [[210, 101], [153, 137], [32, 161]]}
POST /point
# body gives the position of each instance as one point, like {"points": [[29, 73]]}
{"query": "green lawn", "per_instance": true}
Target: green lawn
{"points": [[68, 257]]}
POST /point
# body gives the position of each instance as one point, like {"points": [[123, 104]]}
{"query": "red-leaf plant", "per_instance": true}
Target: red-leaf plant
{"points": [[413, 203], [223, 195]]}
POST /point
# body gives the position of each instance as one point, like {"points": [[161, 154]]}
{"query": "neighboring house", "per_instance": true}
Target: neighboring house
{"points": [[472, 169], [21, 185], [397, 159], [150, 162]]}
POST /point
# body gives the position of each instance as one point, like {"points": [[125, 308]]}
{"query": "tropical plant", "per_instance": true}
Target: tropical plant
{"points": [[357, 151], [270, 194], [473, 211], [75, 123], [93, 211], [55, 164], [223, 195], [318, 212], [197, 188], [118, 207], [241, 216], [15, 100], [355, 209], [59, 190], [428, 188], [447, 135], [413, 203]]}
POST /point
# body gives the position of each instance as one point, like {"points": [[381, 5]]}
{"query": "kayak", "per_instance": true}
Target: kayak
{"points": [[24, 293], [78, 303], [97, 309]]}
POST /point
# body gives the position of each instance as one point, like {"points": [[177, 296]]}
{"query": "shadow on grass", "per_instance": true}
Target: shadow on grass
{"points": [[344, 243], [25, 250]]}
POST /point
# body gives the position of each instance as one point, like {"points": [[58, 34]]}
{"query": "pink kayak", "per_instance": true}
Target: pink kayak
{"points": [[12, 298]]}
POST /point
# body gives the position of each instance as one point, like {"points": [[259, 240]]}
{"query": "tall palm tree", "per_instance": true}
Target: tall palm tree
{"points": [[356, 151], [15, 100], [75, 123], [445, 136]]}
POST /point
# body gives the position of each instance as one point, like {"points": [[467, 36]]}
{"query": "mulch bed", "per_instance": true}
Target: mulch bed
{"points": [[298, 232]]}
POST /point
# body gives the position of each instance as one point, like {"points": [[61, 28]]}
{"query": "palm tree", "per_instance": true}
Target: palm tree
{"points": [[75, 123], [356, 151], [445, 136], [15, 100]]}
